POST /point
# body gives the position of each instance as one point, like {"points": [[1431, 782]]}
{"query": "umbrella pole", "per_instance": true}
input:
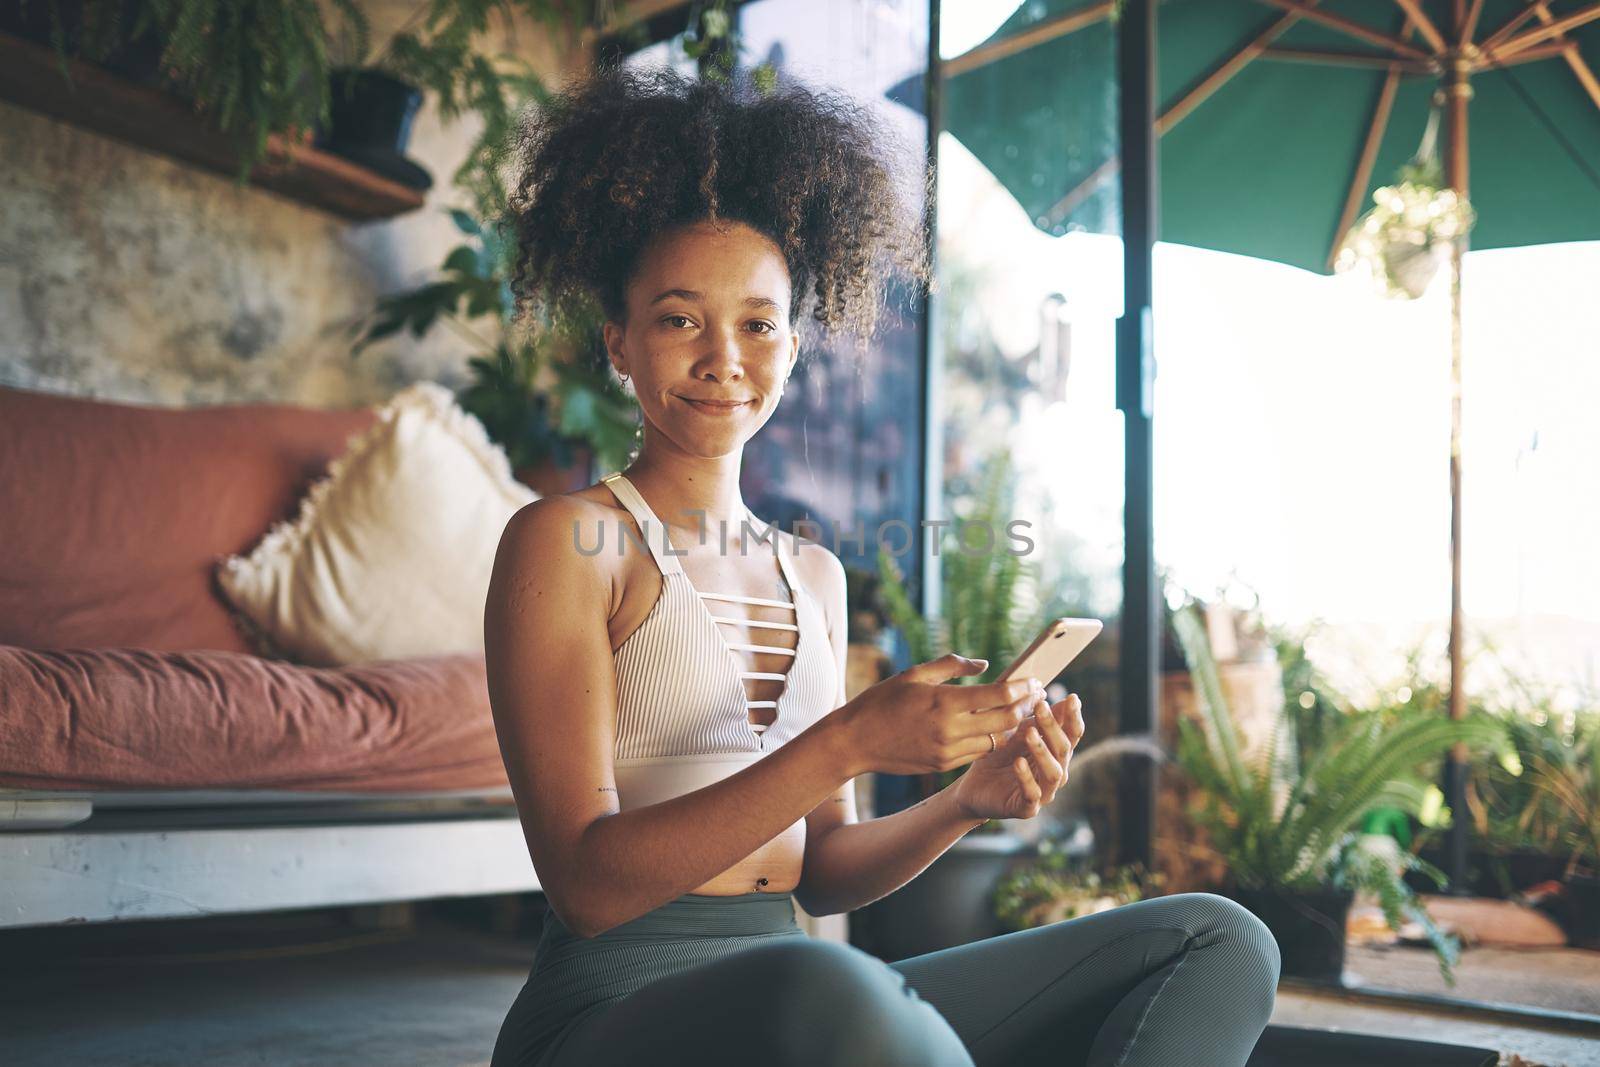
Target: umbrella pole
{"points": [[1458, 93], [1139, 659]]}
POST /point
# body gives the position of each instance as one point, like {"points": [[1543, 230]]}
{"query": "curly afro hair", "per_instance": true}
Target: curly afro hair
{"points": [[625, 155]]}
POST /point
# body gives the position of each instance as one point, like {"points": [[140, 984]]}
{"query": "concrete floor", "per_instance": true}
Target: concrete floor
{"points": [[310, 988]]}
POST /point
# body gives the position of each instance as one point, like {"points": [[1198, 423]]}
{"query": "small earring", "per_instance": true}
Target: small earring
{"points": [[624, 376]]}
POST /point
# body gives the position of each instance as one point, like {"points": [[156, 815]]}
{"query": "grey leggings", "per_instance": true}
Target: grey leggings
{"points": [[1185, 979]]}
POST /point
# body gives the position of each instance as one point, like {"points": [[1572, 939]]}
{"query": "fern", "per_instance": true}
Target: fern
{"points": [[256, 67], [1302, 841]]}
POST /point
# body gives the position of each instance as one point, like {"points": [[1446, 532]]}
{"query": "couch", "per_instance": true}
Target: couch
{"points": [[152, 761]]}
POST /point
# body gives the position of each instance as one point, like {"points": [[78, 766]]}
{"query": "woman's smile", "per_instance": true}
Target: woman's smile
{"points": [[713, 407]]}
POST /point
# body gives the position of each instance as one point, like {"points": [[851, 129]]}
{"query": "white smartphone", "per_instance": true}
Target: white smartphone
{"points": [[1057, 645]]}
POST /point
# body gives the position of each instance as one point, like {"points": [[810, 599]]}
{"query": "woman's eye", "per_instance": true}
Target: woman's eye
{"points": [[762, 322], [675, 318]]}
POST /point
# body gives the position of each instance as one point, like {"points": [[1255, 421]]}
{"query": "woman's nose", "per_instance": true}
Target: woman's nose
{"points": [[723, 355]]}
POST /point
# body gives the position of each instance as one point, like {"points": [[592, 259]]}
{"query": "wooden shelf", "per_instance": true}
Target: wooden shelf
{"points": [[98, 100]]}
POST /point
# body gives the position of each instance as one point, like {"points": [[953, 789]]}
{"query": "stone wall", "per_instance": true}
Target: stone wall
{"points": [[130, 276]]}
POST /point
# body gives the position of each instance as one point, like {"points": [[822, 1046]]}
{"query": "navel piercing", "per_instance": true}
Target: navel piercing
{"points": [[761, 881]]}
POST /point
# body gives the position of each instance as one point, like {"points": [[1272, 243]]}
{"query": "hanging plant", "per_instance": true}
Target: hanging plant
{"points": [[1408, 233]]}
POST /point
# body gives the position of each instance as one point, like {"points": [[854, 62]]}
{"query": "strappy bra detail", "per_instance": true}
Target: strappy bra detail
{"points": [[681, 695]]}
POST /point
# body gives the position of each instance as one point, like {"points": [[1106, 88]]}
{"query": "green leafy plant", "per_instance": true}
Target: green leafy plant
{"points": [[990, 602], [259, 68], [1280, 825], [1051, 888], [712, 40], [533, 386], [440, 49], [255, 68], [1311, 704], [1546, 796]]}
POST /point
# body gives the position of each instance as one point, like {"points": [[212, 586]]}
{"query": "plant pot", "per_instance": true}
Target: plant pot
{"points": [[370, 116], [950, 903], [1573, 902], [1498, 873], [1584, 892], [1308, 926]]}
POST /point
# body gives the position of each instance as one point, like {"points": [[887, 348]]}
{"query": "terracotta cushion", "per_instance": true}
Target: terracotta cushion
{"points": [[136, 719], [114, 515]]}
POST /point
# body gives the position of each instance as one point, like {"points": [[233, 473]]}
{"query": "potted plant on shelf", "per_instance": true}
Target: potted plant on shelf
{"points": [[120, 37], [260, 69], [439, 51], [1288, 832], [254, 68], [369, 122]]}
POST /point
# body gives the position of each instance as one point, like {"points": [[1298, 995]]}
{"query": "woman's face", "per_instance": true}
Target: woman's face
{"points": [[707, 320]]}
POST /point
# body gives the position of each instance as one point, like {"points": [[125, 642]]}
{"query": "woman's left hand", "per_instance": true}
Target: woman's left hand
{"points": [[1024, 771]]}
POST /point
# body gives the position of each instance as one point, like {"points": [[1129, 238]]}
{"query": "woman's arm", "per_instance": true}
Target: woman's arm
{"points": [[849, 864], [861, 862], [552, 687]]}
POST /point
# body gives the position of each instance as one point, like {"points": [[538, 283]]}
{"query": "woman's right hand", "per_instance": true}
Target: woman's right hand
{"points": [[911, 724]]}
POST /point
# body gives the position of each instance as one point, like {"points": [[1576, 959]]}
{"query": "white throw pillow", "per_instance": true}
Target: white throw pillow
{"points": [[391, 552]]}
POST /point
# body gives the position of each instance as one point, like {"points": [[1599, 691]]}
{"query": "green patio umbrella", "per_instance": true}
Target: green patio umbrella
{"points": [[1277, 121]]}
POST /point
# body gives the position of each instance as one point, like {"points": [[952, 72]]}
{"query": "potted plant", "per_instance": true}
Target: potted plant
{"points": [[369, 122], [439, 51], [1287, 831], [1522, 833], [120, 37], [1538, 813], [254, 68], [259, 68], [990, 609], [538, 388], [1253, 682], [1058, 885]]}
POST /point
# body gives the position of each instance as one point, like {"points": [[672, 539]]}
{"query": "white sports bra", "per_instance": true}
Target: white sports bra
{"points": [[683, 714]]}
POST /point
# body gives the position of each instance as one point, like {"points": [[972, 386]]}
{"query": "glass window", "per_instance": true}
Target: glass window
{"points": [[1030, 288]]}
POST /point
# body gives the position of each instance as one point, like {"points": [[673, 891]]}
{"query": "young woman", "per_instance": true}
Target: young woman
{"points": [[671, 706]]}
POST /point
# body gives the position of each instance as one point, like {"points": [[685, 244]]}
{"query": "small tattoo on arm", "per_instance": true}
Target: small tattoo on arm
{"points": [[607, 789]]}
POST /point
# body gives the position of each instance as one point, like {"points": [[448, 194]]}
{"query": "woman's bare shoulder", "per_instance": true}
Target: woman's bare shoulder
{"points": [[555, 514], [562, 528]]}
